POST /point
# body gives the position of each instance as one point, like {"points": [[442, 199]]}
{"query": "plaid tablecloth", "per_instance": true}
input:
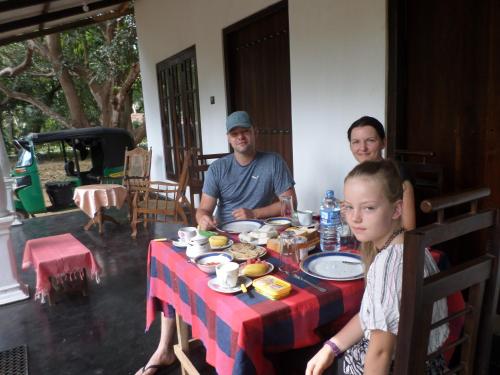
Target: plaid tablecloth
{"points": [[237, 330]]}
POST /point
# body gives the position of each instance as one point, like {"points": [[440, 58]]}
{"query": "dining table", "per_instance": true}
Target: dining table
{"points": [[239, 330], [94, 199]]}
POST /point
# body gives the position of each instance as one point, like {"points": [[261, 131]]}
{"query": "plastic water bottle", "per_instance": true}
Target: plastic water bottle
{"points": [[330, 223]]}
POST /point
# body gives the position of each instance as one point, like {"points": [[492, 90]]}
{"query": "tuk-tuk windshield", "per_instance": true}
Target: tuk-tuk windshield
{"points": [[24, 159]]}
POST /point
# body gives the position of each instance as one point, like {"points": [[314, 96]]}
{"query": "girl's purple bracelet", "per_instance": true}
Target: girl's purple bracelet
{"points": [[335, 349]]}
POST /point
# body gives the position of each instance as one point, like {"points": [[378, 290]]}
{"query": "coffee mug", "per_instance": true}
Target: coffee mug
{"points": [[227, 274], [305, 217], [186, 233]]}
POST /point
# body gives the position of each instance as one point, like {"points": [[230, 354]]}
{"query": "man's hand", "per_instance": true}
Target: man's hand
{"points": [[243, 213], [206, 222]]}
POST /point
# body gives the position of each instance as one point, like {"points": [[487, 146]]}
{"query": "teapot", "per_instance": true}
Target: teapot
{"points": [[197, 245]]}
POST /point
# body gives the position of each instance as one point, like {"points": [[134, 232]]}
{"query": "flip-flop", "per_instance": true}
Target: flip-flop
{"points": [[159, 367], [150, 367]]}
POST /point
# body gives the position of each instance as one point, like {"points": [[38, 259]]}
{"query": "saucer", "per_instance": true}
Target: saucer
{"points": [[179, 243], [214, 285]]}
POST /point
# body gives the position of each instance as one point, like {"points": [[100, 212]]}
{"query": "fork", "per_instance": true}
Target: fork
{"points": [[320, 288]]}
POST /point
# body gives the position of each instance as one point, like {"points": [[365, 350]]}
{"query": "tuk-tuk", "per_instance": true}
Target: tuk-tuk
{"points": [[105, 147]]}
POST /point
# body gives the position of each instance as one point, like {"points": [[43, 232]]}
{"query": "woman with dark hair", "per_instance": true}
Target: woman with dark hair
{"points": [[367, 140]]}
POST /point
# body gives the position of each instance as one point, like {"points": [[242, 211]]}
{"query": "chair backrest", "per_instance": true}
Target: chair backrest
{"points": [[426, 177], [197, 167], [477, 278], [184, 175], [137, 167], [160, 201]]}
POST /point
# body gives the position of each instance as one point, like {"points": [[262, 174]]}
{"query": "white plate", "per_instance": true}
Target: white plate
{"points": [[239, 226], [262, 252], [244, 237], [333, 266], [214, 285], [179, 243], [229, 244], [270, 268]]}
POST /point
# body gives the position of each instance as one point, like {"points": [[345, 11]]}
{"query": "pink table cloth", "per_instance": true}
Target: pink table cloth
{"points": [[62, 257], [91, 198]]}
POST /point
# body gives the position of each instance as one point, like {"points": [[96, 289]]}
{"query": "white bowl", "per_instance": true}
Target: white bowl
{"points": [[279, 223], [208, 262]]}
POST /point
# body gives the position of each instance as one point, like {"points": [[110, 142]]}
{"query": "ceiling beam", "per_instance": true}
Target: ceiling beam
{"points": [[18, 4], [52, 16], [64, 27]]}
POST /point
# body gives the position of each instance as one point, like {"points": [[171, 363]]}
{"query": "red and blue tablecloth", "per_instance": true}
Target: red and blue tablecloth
{"points": [[238, 330]]}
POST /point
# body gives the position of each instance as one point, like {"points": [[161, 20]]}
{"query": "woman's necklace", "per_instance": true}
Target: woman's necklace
{"points": [[394, 234]]}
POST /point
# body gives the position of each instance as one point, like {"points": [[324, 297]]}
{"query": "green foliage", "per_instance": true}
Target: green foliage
{"points": [[84, 48]]}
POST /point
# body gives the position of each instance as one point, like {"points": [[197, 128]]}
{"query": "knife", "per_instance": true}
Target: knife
{"points": [[351, 262], [321, 289], [245, 290]]}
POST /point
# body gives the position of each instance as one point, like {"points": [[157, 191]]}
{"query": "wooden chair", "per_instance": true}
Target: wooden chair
{"points": [[427, 177], [477, 278], [136, 172], [197, 168], [157, 201]]}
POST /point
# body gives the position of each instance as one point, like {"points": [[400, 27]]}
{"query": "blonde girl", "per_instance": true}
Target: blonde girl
{"points": [[373, 193]]}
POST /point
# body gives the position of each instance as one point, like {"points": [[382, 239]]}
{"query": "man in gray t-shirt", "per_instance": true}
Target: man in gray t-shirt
{"points": [[243, 185]]}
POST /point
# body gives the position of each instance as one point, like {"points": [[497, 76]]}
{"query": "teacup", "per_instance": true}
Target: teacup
{"points": [[186, 233], [227, 274], [305, 217]]}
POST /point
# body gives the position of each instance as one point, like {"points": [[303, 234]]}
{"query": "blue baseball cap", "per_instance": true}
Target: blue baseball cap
{"points": [[238, 119]]}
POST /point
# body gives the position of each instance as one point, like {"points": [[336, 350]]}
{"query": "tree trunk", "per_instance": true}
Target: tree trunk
{"points": [[78, 117], [125, 120]]}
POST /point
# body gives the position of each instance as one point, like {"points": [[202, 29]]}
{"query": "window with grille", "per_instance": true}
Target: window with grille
{"points": [[179, 106]]}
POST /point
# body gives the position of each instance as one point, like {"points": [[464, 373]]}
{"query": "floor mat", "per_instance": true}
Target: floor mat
{"points": [[14, 361]]}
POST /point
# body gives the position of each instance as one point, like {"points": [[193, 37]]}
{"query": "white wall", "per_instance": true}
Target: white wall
{"points": [[166, 27], [338, 73]]}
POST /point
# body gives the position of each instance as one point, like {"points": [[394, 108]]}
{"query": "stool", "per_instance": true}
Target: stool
{"points": [[61, 264], [67, 285]]}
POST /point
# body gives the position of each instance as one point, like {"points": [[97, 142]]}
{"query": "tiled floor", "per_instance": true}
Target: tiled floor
{"points": [[104, 332], [99, 334]]}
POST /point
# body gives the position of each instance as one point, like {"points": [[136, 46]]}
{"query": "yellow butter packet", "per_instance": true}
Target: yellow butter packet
{"points": [[272, 287]]}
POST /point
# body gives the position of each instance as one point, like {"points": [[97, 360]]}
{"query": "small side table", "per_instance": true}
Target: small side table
{"points": [[93, 199], [61, 261]]}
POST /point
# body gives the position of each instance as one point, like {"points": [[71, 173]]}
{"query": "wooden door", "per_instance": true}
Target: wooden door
{"points": [[257, 61], [444, 80], [179, 109]]}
